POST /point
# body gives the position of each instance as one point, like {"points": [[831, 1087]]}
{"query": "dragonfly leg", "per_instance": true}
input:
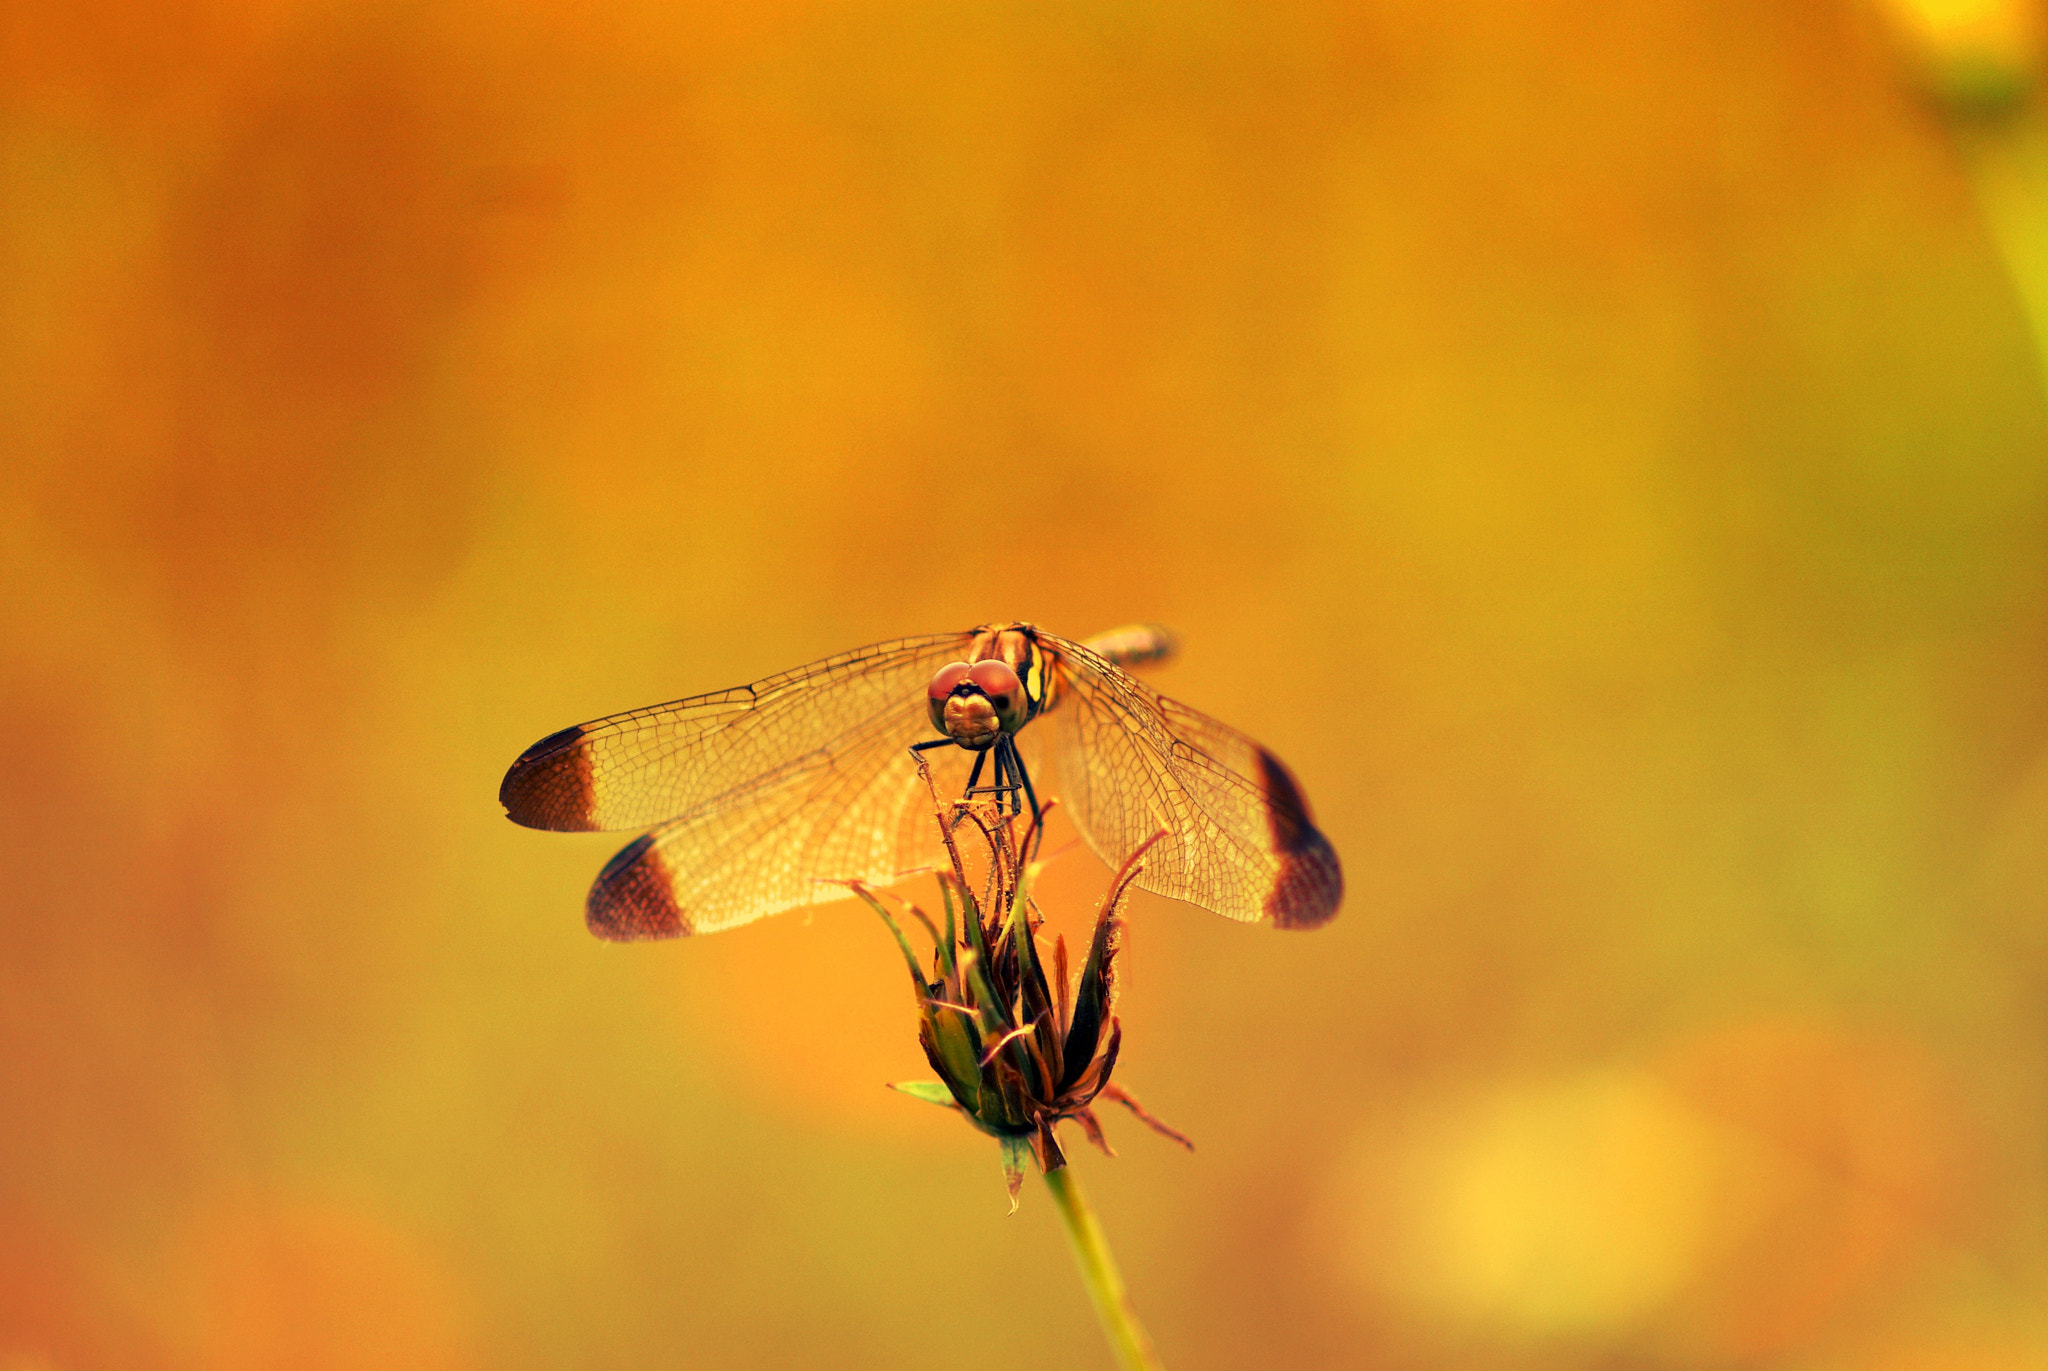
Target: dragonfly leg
{"points": [[929, 743], [960, 806], [1009, 781], [1005, 788], [1024, 779]]}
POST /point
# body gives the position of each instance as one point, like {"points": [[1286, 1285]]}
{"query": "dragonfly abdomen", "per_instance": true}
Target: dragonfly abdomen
{"points": [[1134, 645]]}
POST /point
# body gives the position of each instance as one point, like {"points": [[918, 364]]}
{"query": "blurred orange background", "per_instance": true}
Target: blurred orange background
{"points": [[1601, 446]]}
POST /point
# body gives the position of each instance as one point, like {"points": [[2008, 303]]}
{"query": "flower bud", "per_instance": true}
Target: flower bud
{"points": [[1018, 1051]]}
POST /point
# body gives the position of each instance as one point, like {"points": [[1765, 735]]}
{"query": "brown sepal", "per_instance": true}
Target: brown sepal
{"points": [[1092, 1126], [1122, 1097]]}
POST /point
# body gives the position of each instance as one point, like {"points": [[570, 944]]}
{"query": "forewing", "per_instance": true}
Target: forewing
{"points": [[668, 762], [1131, 762], [794, 839]]}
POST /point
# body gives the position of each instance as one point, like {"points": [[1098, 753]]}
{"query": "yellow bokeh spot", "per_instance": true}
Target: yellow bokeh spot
{"points": [[1999, 23], [1973, 51], [1558, 1208]]}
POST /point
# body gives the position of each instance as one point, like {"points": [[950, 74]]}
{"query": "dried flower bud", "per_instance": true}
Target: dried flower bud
{"points": [[1017, 1051]]}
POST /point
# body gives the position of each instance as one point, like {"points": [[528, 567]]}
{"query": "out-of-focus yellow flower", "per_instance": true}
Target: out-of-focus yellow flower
{"points": [[1976, 54]]}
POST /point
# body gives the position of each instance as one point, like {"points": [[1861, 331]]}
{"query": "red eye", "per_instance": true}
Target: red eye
{"points": [[996, 680], [949, 677]]}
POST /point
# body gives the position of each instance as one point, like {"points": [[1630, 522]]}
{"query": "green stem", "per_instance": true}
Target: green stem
{"points": [[1098, 1272]]}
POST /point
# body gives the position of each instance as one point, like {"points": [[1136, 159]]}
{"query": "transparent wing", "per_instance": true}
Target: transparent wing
{"points": [[1129, 762], [688, 758], [792, 840]]}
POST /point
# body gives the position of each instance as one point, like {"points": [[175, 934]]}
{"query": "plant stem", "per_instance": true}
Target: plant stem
{"points": [[1098, 1272]]}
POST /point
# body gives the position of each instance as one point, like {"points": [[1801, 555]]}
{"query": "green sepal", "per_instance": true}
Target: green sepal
{"points": [[1094, 997], [1019, 916], [1033, 991], [1015, 1150], [948, 958], [957, 1053], [995, 1021], [931, 1092], [909, 957], [971, 931]]}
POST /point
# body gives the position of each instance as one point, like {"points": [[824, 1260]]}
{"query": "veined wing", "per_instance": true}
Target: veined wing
{"points": [[672, 761], [1131, 762], [863, 814]]}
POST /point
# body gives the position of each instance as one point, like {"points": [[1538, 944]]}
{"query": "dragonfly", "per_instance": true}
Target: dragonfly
{"points": [[759, 798]]}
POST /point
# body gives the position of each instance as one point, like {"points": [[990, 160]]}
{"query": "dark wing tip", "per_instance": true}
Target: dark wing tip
{"points": [[1309, 887], [1310, 883], [633, 899], [549, 785]]}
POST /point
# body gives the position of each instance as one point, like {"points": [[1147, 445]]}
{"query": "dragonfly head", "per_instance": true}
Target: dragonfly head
{"points": [[975, 705]]}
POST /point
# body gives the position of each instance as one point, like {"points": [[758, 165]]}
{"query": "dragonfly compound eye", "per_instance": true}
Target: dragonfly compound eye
{"points": [[1004, 691], [941, 689]]}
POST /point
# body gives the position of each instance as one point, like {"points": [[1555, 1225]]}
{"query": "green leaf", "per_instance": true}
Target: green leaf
{"points": [[931, 1092]]}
